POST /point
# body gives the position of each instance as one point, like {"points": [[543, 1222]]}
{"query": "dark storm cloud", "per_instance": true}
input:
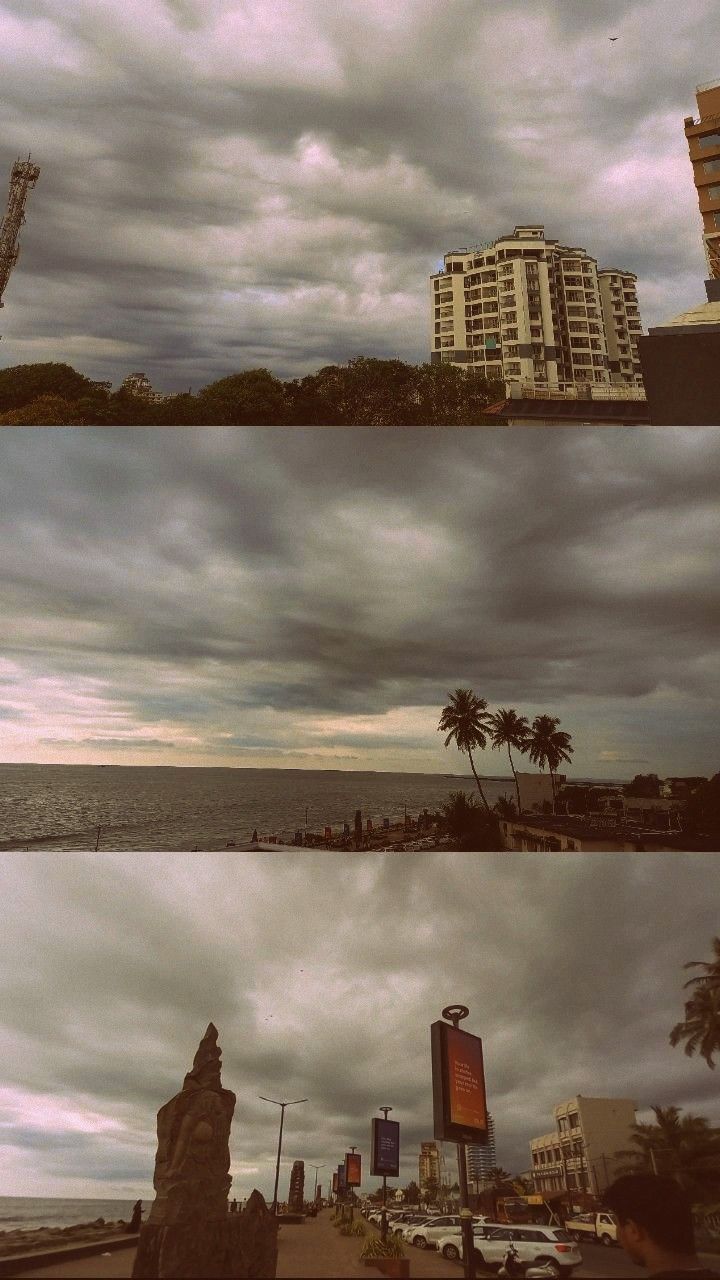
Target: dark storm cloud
{"points": [[130, 958], [223, 185], [302, 587]]}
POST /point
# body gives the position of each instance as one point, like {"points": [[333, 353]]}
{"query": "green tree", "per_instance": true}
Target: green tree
{"points": [[22, 384], [508, 729], [412, 1193], [702, 814], [686, 1148], [646, 785], [700, 1028], [254, 397], [466, 721], [546, 744], [46, 411], [470, 828]]}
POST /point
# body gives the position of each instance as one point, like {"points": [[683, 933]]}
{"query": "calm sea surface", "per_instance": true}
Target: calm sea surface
{"points": [[61, 806], [31, 1212]]}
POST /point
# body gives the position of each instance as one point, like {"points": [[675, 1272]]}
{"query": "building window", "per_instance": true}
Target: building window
{"points": [[711, 166], [716, 219], [714, 193], [709, 140]]}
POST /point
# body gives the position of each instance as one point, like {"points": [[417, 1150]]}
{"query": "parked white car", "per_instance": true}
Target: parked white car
{"points": [[551, 1246], [426, 1235]]}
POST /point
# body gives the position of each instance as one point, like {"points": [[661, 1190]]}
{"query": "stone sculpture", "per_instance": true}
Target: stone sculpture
{"points": [[296, 1195], [190, 1232]]}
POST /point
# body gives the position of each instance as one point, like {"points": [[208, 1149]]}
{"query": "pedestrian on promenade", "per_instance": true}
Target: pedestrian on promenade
{"points": [[655, 1226]]}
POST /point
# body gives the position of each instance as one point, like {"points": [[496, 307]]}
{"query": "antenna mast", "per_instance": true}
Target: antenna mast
{"points": [[24, 176]]}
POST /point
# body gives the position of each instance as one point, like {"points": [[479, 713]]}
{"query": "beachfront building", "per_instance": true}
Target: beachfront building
{"points": [[703, 139], [538, 315], [480, 1160], [139, 385], [580, 1154]]}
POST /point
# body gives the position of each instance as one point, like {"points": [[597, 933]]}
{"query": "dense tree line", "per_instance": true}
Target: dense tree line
{"points": [[364, 392]]}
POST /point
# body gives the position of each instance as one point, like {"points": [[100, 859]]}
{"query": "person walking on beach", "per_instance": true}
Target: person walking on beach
{"points": [[136, 1220]]}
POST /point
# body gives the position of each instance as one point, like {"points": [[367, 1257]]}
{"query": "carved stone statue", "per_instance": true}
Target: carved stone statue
{"points": [[297, 1187], [190, 1232]]}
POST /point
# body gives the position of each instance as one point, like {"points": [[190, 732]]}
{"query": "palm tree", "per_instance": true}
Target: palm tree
{"points": [[466, 720], [546, 744], [686, 1148], [508, 729], [700, 1028]]}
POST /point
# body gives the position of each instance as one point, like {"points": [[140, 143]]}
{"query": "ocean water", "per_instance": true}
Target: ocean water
{"points": [[32, 1212], [60, 807]]}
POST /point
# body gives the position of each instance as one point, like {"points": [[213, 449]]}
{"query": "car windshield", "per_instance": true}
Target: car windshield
{"points": [[562, 1236]]}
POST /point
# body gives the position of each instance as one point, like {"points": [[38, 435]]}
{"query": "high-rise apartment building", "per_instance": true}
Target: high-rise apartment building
{"points": [[429, 1166], [703, 138], [580, 1153], [480, 1160], [536, 314]]}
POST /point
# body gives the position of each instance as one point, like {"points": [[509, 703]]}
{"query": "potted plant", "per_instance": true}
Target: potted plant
{"points": [[387, 1256]]}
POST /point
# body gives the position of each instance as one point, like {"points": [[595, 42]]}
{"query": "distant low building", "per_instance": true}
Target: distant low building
{"points": [[138, 385], [540, 833], [579, 1155]]}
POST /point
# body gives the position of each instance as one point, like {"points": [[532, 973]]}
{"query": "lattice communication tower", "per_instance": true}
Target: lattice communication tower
{"points": [[24, 176]]}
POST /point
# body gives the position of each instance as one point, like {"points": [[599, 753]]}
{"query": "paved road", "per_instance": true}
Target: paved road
{"points": [[315, 1249]]}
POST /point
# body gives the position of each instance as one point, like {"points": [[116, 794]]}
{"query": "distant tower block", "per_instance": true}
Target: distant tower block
{"points": [[24, 176]]}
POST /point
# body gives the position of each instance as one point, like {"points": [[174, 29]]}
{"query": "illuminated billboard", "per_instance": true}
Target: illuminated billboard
{"points": [[385, 1159], [459, 1100], [353, 1169]]}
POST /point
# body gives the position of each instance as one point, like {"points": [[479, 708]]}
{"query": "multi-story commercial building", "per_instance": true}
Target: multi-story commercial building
{"points": [[580, 1153], [536, 314], [480, 1160], [138, 384], [703, 139], [429, 1166]]}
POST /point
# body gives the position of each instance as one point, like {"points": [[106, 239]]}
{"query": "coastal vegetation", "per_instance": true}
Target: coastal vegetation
{"points": [[466, 721], [700, 1028], [364, 392]]}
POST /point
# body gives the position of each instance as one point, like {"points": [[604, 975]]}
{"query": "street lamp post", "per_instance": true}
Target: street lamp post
{"points": [[454, 1013], [316, 1167], [383, 1220], [282, 1106]]}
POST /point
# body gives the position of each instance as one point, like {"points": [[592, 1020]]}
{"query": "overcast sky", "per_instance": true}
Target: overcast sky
{"points": [[114, 965], [306, 597], [226, 183]]}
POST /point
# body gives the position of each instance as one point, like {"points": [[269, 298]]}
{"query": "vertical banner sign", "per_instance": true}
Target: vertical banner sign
{"points": [[385, 1158], [459, 1101], [341, 1179], [334, 1183], [353, 1169]]}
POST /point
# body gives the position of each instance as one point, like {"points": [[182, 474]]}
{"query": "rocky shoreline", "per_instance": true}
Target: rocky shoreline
{"points": [[40, 1239]]}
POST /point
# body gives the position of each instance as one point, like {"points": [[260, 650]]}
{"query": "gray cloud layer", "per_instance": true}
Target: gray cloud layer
{"points": [[572, 969], [217, 594], [225, 185]]}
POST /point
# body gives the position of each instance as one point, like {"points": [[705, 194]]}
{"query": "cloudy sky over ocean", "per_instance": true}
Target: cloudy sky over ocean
{"points": [[114, 965], [226, 183], [306, 597]]}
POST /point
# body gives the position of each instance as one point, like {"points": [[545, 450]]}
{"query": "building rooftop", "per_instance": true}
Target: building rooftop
{"points": [[705, 316]]}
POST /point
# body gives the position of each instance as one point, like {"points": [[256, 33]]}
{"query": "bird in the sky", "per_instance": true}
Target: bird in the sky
{"points": [[612, 39]]}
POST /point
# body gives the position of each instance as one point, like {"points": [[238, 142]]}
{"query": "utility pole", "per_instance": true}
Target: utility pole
{"points": [[383, 1220], [23, 176], [282, 1106]]}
